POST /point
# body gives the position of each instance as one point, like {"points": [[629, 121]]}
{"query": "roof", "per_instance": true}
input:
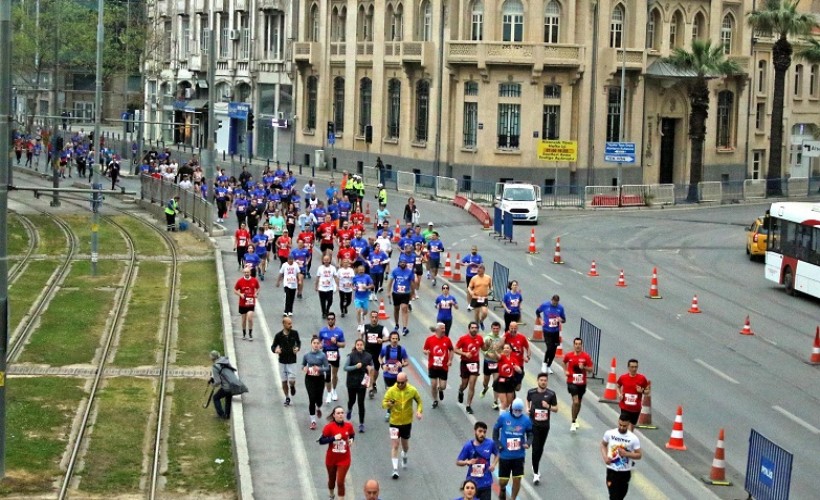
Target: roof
{"points": [[662, 69]]}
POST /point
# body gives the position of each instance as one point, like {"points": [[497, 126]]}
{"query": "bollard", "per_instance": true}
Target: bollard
{"points": [[313, 171], [223, 155], [267, 164]]}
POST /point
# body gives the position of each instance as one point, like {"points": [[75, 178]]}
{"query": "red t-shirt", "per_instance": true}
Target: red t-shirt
{"points": [[575, 375], [519, 344], [247, 287], [326, 232], [631, 398], [346, 253], [344, 234], [506, 367], [439, 349], [359, 227], [338, 451], [471, 346], [308, 238], [242, 237], [283, 246], [357, 218]]}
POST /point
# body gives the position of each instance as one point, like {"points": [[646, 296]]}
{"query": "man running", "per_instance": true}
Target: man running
{"points": [[359, 368], [520, 351], [401, 287], [435, 247], [393, 358], [491, 350], [619, 449], [551, 314], [326, 283], [471, 261], [399, 401], [301, 256], [632, 386], [247, 289], [437, 348], [513, 434], [479, 290], [480, 455], [240, 243], [260, 243], [468, 347], [286, 344], [291, 275], [541, 403], [333, 339], [374, 335], [577, 364], [362, 288]]}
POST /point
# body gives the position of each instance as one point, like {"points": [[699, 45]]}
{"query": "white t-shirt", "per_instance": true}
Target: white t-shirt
{"points": [[384, 244], [326, 275], [615, 440], [290, 273], [345, 275]]}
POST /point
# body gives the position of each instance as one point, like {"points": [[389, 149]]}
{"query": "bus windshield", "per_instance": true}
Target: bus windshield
{"points": [[519, 194]]}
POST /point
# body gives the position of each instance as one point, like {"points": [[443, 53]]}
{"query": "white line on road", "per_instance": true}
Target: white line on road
{"points": [[716, 371], [797, 420], [596, 302], [529, 260], [772, 342], [552, 279], [473, 235], [646, 331]]}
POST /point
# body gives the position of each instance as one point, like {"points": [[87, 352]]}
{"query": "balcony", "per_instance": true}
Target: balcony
{"points": [[307, 53], [364, 51], [198, 62], [338, 50], [539, 55], [612, 59]]}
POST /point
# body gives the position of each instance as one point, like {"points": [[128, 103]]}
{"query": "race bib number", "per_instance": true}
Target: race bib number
{"points": [[240, 208], [400, 288], [313, 370], [492, 366], [366, 380], [477, 470], [332, 355], [480, 300], [631, 399], [438, 361], [339, 446], [394, 433], [361, 287], [243, 242], [393, 368], [578, 378], [372, 338], [325, 282], [541, 415], [472, 367], [445, 304], [513, 444], [249, 301], [553, 322]]}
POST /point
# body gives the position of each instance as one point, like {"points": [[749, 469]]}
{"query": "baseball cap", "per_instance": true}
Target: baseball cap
{"points": [[429, 223], [517, 406]]}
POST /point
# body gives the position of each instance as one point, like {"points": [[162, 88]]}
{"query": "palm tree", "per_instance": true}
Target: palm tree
{"points": [[781, 19], [705, 61], [810, 52]]}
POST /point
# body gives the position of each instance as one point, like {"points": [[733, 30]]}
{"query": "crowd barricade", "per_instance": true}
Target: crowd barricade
{"points": [[710, 191], [405, 182], [591, 336], [498, 219], [798, 186], [370, 176], [446, 187], [601, 196], [661, 194], [501, 279], [768, 469], [754, 188], [191, 204], [633, 195], [425, 185], [481, 214], [460, 201], [508, 227]]}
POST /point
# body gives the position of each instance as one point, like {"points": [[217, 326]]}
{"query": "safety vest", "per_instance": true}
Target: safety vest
{"points": [[383, 196], [172, 207]]}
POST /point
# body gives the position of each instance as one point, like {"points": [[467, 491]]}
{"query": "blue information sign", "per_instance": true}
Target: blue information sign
{"points": [[331, 139], [619, 152]]}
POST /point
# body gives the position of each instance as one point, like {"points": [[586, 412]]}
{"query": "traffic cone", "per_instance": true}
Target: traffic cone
{"points": [[559, 351], [676, 438], [717, 476], [537, 330], [448, 271], [814, 359], [367, 219], [457, 273], [694, 307], [556, 259], [593, 270], [645, 418], [397, 233], [611, 391], [747, 327], [531, 250], [621, 280], [382, 313], [653, 285]]}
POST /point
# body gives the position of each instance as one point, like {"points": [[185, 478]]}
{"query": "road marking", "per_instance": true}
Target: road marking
{"points": [[772, 342], [596, 302], [529, 260], [797, 420], [473, 235], [716, 371], [552, 279], [646, 331]]}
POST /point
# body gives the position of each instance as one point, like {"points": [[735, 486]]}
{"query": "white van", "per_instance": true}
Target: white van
{"points": [[521, 199]]}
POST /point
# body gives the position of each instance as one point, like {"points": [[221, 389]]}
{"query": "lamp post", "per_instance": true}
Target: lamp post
{"points": [[5, 178], [622, 117], [96, 185]]}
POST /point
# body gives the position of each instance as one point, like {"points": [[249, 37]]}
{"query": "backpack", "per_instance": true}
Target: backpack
{"points": [[235, 386]]}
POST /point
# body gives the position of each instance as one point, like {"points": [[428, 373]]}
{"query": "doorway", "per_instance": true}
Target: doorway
{"points": [[667, 166]]}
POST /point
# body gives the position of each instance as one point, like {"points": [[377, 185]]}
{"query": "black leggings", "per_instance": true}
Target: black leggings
{"points": [[345, 298], [539, 438], [551, 340], [290, 294], [326, 301], [378, 280], [509, 318], [315, 386], [353, 394]]}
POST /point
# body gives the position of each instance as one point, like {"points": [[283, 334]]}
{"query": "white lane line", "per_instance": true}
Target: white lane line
{"points": [[529, 260], [646, 331], [716, 371], [797, 420], [551, 279], [596, 302], [473, 235], [772, 342]]}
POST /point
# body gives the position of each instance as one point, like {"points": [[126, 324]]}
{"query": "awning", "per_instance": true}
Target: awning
{"points": [[662, 69], [203, 84], [196, 104]]}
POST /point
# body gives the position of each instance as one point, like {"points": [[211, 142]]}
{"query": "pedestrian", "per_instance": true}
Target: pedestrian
{"points": [[479, 291], [345, 276], [512, 304], [338, 434], [219, 379], [632, 387], [315, 365], [521, 353], [437, 348], [362, 288], [513, 434], [469, 490], [445, 303], [619, 450], [468, 347], [171, 211], [393, 358], [247, 289], [399, 400], [291, 276], [286, 344], [374, 335], [359, 368], [114, 171], [377, 260], [371, 490], [552, 316], [541, 403], [577, 364], [241, 238], [409, 210], [401, 287], [260, 247], [381, 195], [301, 256], [504, 384], [471, 262], [333, 339], [326, 284], [435, 247], [480, 455]]}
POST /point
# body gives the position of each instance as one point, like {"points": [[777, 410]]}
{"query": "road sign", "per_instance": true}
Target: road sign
{"points": [[619, 152], [558, 150], [811, 149], [279, 123], [331, 139]]}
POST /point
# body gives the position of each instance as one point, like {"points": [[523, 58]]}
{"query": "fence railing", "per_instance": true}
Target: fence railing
{"points": [[191, 204]]}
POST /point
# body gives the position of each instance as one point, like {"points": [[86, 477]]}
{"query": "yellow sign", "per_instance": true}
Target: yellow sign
{"points": [[2, 379], [558, 150], [95, 228]]}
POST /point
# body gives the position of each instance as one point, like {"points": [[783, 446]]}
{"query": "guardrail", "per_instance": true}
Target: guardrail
{"points": [[191, 204]]}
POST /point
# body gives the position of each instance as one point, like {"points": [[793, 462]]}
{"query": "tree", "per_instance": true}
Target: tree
{"points": [[810, 52], [704, 62], [779, 18]]}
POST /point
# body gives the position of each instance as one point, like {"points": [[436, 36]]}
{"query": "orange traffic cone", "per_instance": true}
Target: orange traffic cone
{"points": [[653, 285], [448, 271], [457, 273], [621, 280], [815, 351], [676, 438], [538, 330], [645, 418], [531, 250], [593, 270], [397, 233], [611, 391], [556, 259], [382, 313], [747, 327], [559, 351], [694, 307], [367, 213], [717, 476]]}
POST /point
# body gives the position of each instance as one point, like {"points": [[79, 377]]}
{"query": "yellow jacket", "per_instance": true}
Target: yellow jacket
{"points": [[401, 413]]}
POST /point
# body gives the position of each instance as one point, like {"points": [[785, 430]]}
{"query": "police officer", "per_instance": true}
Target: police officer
{"points": [[171, 211]]}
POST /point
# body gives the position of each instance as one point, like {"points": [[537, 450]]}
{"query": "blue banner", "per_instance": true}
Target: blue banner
{"points": [[239, 110]]}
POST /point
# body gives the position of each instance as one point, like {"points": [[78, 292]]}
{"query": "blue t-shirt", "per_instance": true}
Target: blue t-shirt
{"points": [[259, 242], [253, 259], [410, 258], [344, 209], [483, 453], [221, 193], [445, 307], [513, 302], [393, 357], [361, 282], [551, 315], [359, 244], [326, 333], [405, 242], [472, 262], [435, 247], [512, 435], [330, 192], [333, 210], [300, 257], [319, 213], [375, 260], [402, 279]]}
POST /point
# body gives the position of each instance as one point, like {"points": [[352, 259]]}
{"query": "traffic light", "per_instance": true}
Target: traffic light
{"points": [[60, 144], [251, 121], [368, 134], [331, 129]]}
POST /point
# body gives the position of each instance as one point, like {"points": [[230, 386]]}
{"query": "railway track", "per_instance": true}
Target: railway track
{"points": [[34, 240]]}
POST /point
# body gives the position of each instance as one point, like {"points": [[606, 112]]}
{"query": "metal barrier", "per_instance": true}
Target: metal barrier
{"points": [[754, 188], [426, 184], [561, 196], [591, 336], [477, 190], [405, 182], [798, 186], [497, 221], [661, 194], [501, 278], [191, 203], [601, 196], [768, 469], [508, 227], [710, 191], [731, 191], [633, 195], [446, 187], [370, 176]]}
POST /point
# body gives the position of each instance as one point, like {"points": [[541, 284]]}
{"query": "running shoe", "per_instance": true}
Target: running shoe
{"points": [[481, 325], [435, 404], [484, 391], [536, 479], [549, 371], [313, 426], [395, 474], [335, 397], [287, 401], [250, 337], [361, 428], [372, 393], [460, 396], [428, 275], [469, 308], [262, 276], [349, 414], [328, 397], [318, 412], [396, 329], [405, 331], [470, 410], [495, 405], [435, 281], [573, 427], [299, 296], [544, 368]]}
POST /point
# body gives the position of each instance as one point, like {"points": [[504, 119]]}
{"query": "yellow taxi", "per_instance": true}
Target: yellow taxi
{"points": [[756, 235]]}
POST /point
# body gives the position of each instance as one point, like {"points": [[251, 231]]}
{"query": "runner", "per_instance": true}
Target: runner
{"points": [[492, 351], [521, 351], [619, 450], [513, 433], [435, 247], [480, 455], [374, 335], [286, 344], [247, 289], [333, 339], [552, 316], [577, 364], [445, 303], [471, 261], [301, 255], [260, 243], [512, 304], [504, 385], [339, 435], [399, 400], [437, 348], [345, 276], [541, 402], [479, 290], [283, 247], [632, 386], [401, 287], [377, 260], [359, 368], [468, 490], [468, 347], [362, 288], [291, 275], [240, 243], [393, 358], [419, 261], [315, 366], [308, 238], [326, 283]]}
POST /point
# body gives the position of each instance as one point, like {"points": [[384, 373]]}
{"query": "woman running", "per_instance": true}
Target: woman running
{"points": [[359, 367], [315, 365], [338, 434], [504, 385], [512, 304]]}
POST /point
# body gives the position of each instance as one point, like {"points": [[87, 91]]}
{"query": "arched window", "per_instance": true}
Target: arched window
{"points": [[314, 23], [512, 21], [653, 26], [676, 31], [813, 80], [477, 21], [393, 108], [761, 76], [699, 28], [426, 26], [342, 34], [389, 23], [422, 110], [365, 103], [613, 115], [312, 93], [727, 28], [339, 103], [552, 16], [725, 110], [798, 81], [616, 27], [398, 23]]}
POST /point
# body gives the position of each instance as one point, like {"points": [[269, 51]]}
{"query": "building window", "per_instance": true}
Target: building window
{"points": [[393, 108], [699, 27], [552, 15], [312, 102], [512, 21], [651, 27], [757, 163], [798, 81], [184, 44], [550, 122], [341, 35], [471, 88], [725, 108], [616, 27], [422, 110], [339, 103], [613, 115], [477, 21], [761, 76], [168, 28], [726, 31], [365, 103], [760, 116], [427, 21], [315, 32], [509, 125], [224, 39], [676, 30], [245, 41], [470, 124], [509, 90], [813, 80], [396, 24], [204, 35], [552, 91]]}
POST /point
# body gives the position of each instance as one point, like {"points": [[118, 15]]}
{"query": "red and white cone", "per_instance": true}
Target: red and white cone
{"points": [[621, 280], [654, 293], [717, 476], [645, 417], [556, 258], [397, 233], [611, 391], [457, 272], [531, 250], [694, 307], [747, 327], [382, 312], [814, 359], [593, 270], [559, 351], [448, 270], [676, 438]]}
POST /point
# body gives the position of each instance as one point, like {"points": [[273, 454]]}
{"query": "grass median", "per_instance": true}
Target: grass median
{"points": [[52, 239], [25, 290], [139, 336], [200, 319], [18, 239], [110, 240], [147, 241]]}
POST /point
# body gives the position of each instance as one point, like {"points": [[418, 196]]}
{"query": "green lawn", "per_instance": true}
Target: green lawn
{"points": [[200, 318], [139, 336]]}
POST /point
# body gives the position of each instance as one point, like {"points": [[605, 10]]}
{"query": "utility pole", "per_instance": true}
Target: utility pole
{"points": [[5, 177], [210, 163], [96, 185]]}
